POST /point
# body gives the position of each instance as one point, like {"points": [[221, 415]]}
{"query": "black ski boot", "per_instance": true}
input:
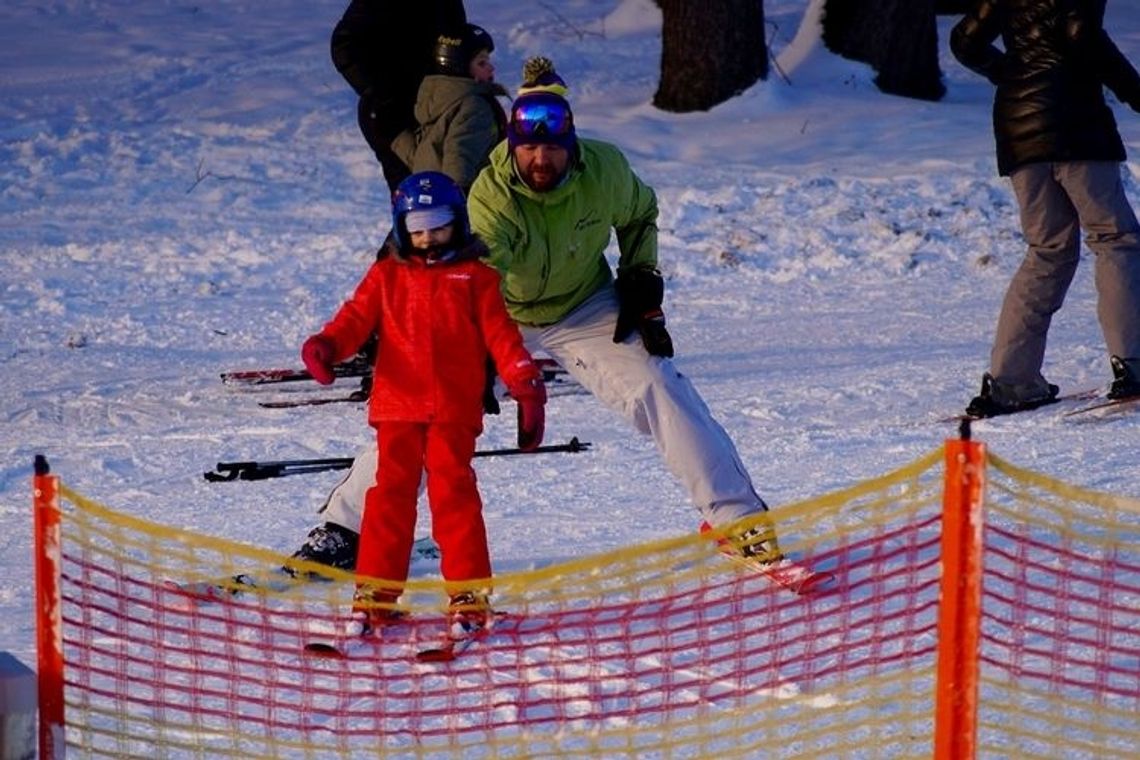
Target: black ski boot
{"points": [[997, 398]]}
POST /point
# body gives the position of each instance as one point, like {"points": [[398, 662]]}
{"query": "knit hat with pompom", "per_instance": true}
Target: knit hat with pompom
{"points": [[541, 114], [539, 76]]}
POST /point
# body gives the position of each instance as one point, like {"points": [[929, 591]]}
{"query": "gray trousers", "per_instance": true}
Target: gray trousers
{"points": [[1057, 200], [647, 390]]}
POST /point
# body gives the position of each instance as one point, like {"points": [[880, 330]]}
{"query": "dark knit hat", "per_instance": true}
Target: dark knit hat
{"points": [[541, 114]]}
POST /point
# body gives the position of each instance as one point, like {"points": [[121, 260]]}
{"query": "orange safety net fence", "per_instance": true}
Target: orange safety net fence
{"points": [[1060, 650], [665, 649]]}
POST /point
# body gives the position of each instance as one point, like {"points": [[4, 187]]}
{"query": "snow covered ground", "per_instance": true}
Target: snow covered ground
{"points": [[184, 191]]}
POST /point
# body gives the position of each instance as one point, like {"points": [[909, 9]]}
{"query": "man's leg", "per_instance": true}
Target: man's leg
{"points": [[345, 504], [658, 400], [1038, 288], [336, 540], [1113, 234]]}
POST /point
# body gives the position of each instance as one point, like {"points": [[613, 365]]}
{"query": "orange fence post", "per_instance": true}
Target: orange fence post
{"points": [[49, 631], [959, 616]]}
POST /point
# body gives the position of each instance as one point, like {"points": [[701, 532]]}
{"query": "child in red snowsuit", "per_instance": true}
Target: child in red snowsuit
{"points": [[438, 312]]}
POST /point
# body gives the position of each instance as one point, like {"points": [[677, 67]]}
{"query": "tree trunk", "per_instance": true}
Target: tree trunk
{"points": [[711, 50], [850, 29], [898, 38], [909, 65]]}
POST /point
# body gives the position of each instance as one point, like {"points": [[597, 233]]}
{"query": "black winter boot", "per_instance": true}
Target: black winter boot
{"points": [[1127, 378], [330, 544]]}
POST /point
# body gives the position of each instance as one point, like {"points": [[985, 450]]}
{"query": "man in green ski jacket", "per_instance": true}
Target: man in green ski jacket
{"points": [[546, 207], [548, 244]]}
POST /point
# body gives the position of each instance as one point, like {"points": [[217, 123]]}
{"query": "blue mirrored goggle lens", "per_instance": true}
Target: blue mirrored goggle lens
{"points": [[539, 119]]}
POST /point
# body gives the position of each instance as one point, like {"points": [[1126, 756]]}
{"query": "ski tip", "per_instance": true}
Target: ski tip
{"points": [[189, 596], [436, 654], [818, 582], [959, 418], [324, 650], [451, 648], [1105, 406]]}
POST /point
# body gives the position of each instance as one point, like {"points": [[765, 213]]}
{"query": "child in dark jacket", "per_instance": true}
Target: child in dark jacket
{"points": [[438, 312], [458, 115]]}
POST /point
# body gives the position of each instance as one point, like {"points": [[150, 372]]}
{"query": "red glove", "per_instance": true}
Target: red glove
{"points": [[531, 399], [317, 353]]}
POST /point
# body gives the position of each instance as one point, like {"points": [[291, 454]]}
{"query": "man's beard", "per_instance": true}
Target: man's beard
{"points": [[541, 176]]}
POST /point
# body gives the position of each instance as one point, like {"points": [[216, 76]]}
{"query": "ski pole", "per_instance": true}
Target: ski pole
{"points": [[253, 470]]}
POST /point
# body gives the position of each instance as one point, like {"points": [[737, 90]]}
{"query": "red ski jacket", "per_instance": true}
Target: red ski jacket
{"points": [[436, 323]]}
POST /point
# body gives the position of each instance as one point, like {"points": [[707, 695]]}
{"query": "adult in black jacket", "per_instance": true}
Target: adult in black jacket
{"points": [[383, 50], [1058, 143]]}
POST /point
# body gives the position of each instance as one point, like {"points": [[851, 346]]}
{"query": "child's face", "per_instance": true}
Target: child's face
{"points": [[432, 238], [482, 70]]}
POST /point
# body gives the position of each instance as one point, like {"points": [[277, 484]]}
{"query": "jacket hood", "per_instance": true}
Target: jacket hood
{"points": [[439, 93]]}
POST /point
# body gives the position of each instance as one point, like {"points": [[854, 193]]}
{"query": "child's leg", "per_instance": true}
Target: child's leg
{"points": [[456, 509], [389, 523]]}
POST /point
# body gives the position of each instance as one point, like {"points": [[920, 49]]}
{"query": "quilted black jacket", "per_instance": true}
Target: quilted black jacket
{"points": [[1057, 60]]}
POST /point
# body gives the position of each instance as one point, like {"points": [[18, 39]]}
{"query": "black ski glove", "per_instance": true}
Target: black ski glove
{"points": [[640, 293]]}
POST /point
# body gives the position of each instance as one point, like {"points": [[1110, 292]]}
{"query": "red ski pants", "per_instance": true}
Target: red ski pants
{"points": [[406, 450]]}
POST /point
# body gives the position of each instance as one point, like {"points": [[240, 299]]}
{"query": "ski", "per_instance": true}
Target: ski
{"points": [[347, 646], [350, 646], [1084, 395], [558, 383], [1106, 406], [787, 573], [452, 646], [194, 593], [355, 397], [227, 471], [358, 366], [271, 580], [329, 650], [784, 571]]}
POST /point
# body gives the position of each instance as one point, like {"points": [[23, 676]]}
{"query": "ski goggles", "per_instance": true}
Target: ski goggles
{"points": [[543, 119]]}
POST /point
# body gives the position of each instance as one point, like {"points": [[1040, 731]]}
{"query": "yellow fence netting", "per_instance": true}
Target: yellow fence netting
{"points": [[664, 649]]}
